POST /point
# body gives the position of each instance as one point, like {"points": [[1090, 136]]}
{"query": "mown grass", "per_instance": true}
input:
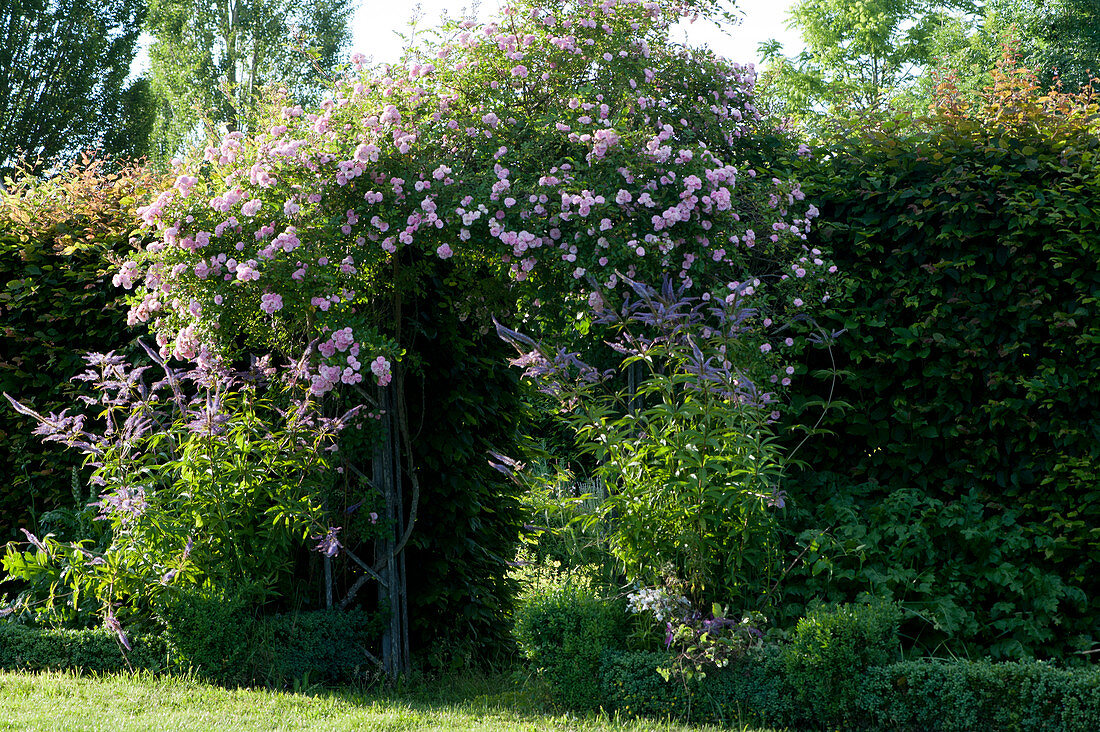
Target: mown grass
{"points": [[63, 702]]}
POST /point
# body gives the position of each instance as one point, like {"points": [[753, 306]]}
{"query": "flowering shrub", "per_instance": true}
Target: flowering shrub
{"points": [[700, 641], [696, 640], [556, 155], [656, 601], [689, 457], [564, 146], [217, 488]]}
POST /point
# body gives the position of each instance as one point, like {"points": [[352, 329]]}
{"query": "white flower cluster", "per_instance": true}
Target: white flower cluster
{"points": [[657, 601]]}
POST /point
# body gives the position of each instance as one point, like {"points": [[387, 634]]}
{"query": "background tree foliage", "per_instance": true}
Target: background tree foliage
{"points": [[860, 56], [211, 59], [63, 71], [1058, 36]]}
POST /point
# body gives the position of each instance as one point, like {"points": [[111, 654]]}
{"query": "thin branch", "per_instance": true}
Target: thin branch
{"points": [[366, 568]]}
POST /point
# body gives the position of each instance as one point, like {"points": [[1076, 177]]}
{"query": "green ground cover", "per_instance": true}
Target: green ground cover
{"points": [[64, 702]]}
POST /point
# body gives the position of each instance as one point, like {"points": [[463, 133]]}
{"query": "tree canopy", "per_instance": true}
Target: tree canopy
{"points": [[860, 56], [213, 58], [1060, 37], [63, 71]]}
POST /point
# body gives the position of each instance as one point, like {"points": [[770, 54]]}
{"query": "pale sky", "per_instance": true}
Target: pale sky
{"points": [[376, 22], [375, 25]]}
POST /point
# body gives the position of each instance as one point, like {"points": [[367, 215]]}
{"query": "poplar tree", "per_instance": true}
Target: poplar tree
{"points": [[64, 65], [211, 60]]}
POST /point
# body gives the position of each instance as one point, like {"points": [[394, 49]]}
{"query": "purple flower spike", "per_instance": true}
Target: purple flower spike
{"points": [[329, 545], [34, 540], [112, 624]]}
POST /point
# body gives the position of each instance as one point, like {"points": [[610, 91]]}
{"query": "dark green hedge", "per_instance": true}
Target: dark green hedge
{"points": [[23, 648], [463, 402], [911, 696], [839, 669], [972, 310], [752, 692], [812, 681], [223, 644], [57, 241], [964, 696]]}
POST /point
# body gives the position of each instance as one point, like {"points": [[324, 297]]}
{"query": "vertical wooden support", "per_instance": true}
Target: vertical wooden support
{"points": [[328, 582], [392, 594]]}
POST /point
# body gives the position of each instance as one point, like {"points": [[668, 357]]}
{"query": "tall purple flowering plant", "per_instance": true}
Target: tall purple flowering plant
{"points": [[203, 476], [689, 455]]}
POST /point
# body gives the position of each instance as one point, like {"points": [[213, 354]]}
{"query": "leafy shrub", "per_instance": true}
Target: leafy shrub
{"points": [[970, 242], [220, 637], [26, 648], [690, 453], [938, 558], [211, 632], [632, 684], [831, 649], [563, 630], [979, 696]]}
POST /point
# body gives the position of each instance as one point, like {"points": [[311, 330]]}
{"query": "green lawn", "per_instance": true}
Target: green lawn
{"points": [[59, 702]]}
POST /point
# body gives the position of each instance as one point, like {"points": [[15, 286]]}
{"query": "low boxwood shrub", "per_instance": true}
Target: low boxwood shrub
{"points": [[28, 648], [221, 638], [563, 631], [211, 633], [830, 651], [752, 690], [327, 646], [977, 696], [224, 645]]}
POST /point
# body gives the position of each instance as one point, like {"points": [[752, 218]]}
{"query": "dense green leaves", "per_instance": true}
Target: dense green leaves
{"points": [[57, 302], [971, 244]]}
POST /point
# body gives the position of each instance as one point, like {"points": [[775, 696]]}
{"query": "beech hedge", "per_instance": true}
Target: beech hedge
{"points": [[971, 243], [58, 237]]}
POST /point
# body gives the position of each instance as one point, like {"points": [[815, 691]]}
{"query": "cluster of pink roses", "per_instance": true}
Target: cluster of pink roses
{"points": [[299, 221]]}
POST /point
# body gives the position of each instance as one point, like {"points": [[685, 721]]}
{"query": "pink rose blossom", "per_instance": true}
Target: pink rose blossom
{"points": [[270, 302]]}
